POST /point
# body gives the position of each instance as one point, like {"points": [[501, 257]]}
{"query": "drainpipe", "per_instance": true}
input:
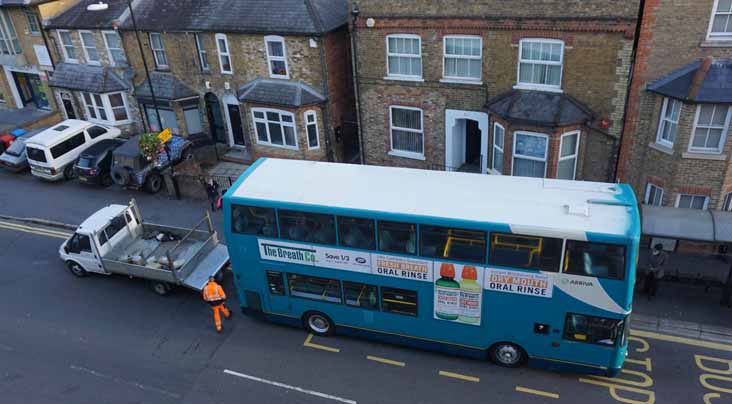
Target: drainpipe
{"points": [[629, 87], [326, 110], [356, 81]]}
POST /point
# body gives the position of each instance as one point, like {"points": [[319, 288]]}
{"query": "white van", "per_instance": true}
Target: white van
{"points": [[52, 153]]}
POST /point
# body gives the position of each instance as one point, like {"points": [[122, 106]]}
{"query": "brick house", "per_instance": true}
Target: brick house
{"points": [[272, 79], [676, 148], [24, 57], [495, 86], [92, 79]]}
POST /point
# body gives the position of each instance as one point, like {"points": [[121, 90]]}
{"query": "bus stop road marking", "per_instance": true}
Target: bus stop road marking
{"points": [[536, 392], [682, 340], [34, 230], [289, 387], [459, 376], [308, 343], [386, 361]]}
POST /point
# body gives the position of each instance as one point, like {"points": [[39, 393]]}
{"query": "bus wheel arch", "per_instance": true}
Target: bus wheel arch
{"points": [[507, 354], [318, 323]]}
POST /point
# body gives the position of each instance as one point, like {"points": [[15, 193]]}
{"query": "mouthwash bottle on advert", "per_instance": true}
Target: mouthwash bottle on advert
{"points": [[470, 294], [447, 294]]}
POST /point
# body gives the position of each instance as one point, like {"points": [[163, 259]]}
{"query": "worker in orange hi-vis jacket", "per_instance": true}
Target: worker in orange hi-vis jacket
{"points": [[214, 295]]}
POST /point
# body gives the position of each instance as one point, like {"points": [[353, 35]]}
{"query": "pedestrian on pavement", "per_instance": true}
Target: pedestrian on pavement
{"points": [[654, 272], [214, 295], [212, 190]]}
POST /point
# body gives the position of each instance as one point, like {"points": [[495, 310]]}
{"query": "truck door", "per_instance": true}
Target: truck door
{"points": [[80, 249]]}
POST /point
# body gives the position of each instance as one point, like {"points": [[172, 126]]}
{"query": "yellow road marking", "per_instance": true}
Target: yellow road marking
{"points": [[36, 231], [20, 227], [537, 392], [310, 344], [459, 376], [682, 340], [386, 361]]}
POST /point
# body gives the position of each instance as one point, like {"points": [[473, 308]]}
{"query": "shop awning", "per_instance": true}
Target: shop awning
{"points": [[92, 79], [687, 224]]}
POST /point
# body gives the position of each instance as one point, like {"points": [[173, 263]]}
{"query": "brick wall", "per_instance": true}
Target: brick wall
{"points": [[342, 102]]}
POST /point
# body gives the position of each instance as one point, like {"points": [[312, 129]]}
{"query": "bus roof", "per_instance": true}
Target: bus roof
{"points": [[528, 205]]}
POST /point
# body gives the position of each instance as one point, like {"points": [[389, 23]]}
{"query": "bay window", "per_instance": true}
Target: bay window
{"points": [[407, 132], [274, 127], [498, 143], [710, 128], [109, 108], [529, 154], [540, 63], [568, 150], [462, 59], [404, 56]]}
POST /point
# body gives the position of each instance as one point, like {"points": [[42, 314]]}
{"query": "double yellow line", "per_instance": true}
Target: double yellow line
{"points": [[34, 230]]}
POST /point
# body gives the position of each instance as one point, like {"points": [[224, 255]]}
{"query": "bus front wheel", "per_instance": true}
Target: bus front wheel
{"points": [[507, 354], [318, 323]]}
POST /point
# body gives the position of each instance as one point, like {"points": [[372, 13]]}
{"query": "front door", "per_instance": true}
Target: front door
{"points": [[215, 121], [237, 132], [68, 107], [39, 94], [472, 143]]}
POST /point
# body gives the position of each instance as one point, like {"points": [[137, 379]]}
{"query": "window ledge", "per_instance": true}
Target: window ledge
{"points": [[295, 148], [458, 81], [537, 88], [716, 43], [661, 148], [704, 156], [398, 78], [408, 155]]}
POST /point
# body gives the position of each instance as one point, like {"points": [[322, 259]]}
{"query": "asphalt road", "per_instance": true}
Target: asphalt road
{"points": [[111, 340]]}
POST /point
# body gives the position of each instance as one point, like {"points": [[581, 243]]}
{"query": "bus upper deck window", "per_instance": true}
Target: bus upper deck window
{"points": [[308, 227], [253, 220], [356, 233], [443, 242], [529, 252], [594, 259], [397, 237]]}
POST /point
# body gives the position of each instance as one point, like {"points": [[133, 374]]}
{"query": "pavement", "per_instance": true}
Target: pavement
{"points": [[11, 118], [110, 339]]}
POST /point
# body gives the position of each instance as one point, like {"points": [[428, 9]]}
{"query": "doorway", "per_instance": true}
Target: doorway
{"points": [[237, 132], [31, 90], [215, 119], [68, 106], [466, 139]]}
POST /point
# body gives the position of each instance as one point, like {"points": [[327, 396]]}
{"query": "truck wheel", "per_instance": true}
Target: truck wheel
{"points": [[107, 180], [69, 172], [161, 288], [187, 154], [120, 176], [76, 269], [507, 354], [318, 323], [153, 183]]}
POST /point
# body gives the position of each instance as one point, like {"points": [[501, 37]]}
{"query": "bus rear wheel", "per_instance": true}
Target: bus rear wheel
{"points": [[318, 323], [507, 354]]}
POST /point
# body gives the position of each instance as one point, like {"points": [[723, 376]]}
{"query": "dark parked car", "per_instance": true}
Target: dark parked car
{"points": [[95, 163], [131, 169]]}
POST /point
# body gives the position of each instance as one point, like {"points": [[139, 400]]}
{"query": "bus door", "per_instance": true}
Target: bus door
{"points": [[275, 300], [591, 339]]}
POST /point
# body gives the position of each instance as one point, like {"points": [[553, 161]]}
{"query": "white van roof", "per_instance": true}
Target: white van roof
{"points": [[528, 205], [101, 218], [61, 130]]}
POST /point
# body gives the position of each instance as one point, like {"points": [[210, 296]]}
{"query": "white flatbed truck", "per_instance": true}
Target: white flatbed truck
{"points": [[115, 240]]}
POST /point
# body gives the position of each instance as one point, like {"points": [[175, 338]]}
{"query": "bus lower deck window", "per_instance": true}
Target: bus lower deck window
{"points": [[443, 242], [397, 237], [528, 252], [594, 259], [253, 220], [313, 288], [399, 301], [276, 283], [361, 295], [308, 227], [356, 233], [593, 330]]}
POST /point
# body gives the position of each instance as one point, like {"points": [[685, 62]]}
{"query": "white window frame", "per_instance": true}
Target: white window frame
{"points": [[646, 197], [203, 54], [722, 138], [9, 34], [314, 115], [408, 77], [405, 153], [30, 15], [226, 54], [502, 149], [63, 46], [270, 58], [533, 86], [107, 107], [706, 200], [711, 36], [663, 121], [113, 62], [266, 123], [727, 202], [84, 47], [445, 56], [513, 153], [155, 51], [574, 156]]}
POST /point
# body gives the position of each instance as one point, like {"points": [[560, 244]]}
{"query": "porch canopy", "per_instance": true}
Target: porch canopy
{"points": [[167, 89], [91, 79], [687, 224], [539, 108], [280, 92]]}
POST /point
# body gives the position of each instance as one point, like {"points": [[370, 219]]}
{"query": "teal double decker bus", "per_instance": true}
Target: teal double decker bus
{"points": [[515, 270]]}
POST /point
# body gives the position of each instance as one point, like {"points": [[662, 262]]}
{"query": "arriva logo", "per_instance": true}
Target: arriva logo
{"points": [[581, 283]]}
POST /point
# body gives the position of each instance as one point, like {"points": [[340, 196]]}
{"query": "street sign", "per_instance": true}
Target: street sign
{"points": [[165, 135]]}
